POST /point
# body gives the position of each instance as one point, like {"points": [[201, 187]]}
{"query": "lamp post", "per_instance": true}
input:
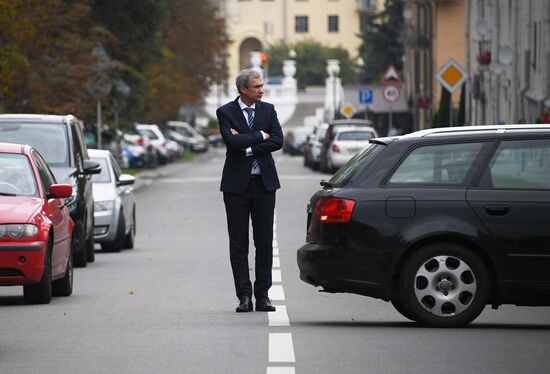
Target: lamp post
{"points": [[333, 69]]}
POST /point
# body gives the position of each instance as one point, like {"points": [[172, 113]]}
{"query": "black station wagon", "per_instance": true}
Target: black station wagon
{"points": [[440, 223]]}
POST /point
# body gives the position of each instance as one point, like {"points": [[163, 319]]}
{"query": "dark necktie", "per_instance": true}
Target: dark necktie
{"points": [[250, 115]]}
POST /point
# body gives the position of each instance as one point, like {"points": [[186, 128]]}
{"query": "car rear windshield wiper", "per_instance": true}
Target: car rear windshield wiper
{"points": [[7, 194], [326, 184]]}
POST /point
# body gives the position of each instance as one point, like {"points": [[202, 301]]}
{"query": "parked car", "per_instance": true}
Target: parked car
{"points": [[346, 142], [314, 145], [60, 140], [440, 222], [138, 151], [176, 142], [158, 141], [115, 204], [294, 140], [329, 137], [35, 227], [194, 141]]}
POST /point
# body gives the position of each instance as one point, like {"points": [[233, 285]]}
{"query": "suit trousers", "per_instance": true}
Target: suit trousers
{"points": [[258, 204]]}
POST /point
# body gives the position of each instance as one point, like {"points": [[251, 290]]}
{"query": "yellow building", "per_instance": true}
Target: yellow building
{"points": [[435, 34], [253, 25]]}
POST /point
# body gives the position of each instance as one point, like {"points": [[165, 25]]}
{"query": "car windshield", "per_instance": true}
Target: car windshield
{"points": [[105, 175], [148, 133], [355, 135], [358, 162], [16, 176], [49, 139]]}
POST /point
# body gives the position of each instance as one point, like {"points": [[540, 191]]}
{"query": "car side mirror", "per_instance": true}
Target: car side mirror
{"points": [[125, 180], [91, 167], [59, 191]]}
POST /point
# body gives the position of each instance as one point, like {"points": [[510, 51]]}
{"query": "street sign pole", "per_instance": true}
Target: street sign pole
{"points": [[99, 124], [451, 110], [390, 127]]}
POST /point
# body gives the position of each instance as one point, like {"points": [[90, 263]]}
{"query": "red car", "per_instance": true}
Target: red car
{"points": [[35, 227]]}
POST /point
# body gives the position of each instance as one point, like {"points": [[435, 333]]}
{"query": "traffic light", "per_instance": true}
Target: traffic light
{"points": [[264, 59]]}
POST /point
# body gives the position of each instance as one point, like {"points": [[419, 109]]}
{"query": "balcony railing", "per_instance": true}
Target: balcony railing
{"points": [[367, 6]]}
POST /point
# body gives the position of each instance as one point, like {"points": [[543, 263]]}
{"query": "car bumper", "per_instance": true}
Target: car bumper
{"points": [[198, 147], [21, 263], [105, 226], [333, 269]]}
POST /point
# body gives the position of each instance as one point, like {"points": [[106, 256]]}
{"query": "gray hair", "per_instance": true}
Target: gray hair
{"points": [[244, 76]]}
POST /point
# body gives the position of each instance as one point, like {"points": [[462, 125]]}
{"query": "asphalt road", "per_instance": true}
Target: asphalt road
{"points": [[167, 306]]}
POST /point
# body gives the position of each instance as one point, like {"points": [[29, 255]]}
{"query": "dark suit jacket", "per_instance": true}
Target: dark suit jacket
{"points": [[236, 171]]}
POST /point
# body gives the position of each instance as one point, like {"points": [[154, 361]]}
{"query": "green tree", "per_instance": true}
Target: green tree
{"points": [[193, 56], [50, 45], [382, 43], [311, 62], [441, 118]]}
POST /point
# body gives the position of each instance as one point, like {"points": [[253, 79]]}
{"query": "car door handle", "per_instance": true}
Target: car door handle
{"points": [[497, 210]]}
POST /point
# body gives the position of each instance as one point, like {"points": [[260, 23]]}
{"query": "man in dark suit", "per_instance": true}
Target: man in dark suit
{"points": [[251, 131]]}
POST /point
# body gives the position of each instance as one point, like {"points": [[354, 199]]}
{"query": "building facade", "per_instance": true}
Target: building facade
{"points": [[253, 25], [509, 58], [504, 46], [434, 33]]}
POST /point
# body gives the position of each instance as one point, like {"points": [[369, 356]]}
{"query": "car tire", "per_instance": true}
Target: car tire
{"points": [[41, 293], [444, 285], [64, 286], [117, 244], [90, 248], [398, 305], [129, 240], [80, 257]]}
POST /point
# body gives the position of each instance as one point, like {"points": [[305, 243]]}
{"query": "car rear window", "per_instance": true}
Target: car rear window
{"points": [[355, 135], [443, 164], [358, 162], [50, 139]]}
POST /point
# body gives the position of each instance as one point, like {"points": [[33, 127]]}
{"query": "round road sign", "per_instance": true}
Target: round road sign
{"points": [[391, 93]]}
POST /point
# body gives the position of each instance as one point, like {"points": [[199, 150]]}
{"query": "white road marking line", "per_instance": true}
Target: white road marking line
{"points": [[280, 370], [276, 276], [276, 293], [276, 263], [281, 348], [279, 317], [275, 251], [274, 243]]}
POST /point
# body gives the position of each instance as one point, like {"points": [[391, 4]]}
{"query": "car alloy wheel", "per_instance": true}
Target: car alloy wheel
{"points": [[444, 285]]}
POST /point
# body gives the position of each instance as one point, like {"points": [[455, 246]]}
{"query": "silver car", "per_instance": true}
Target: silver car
{"points": [[115, 204]]}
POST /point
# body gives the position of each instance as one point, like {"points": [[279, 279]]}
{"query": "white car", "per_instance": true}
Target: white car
{"points": [[159, 142], [346, 143], [316, 144], [115, 204], [188, 136]]}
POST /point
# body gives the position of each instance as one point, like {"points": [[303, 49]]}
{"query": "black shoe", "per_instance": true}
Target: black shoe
{"points": [[264, 305], [245, 305]]}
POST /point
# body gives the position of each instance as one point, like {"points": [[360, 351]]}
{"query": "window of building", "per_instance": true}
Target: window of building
{"points": [[302, 24], [333, 24], [363, 23]]}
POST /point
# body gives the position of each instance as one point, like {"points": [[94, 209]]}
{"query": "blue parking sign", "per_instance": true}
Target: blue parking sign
{"points": [[366, 96]]}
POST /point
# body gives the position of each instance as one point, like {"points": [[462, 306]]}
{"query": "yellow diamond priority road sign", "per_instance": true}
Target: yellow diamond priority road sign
{"points": [[347, 110], [451, 75]]}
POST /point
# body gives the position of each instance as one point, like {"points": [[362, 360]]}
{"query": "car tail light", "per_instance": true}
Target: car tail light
{"points": [[335, 148], [334, 210], [140, 141]]}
